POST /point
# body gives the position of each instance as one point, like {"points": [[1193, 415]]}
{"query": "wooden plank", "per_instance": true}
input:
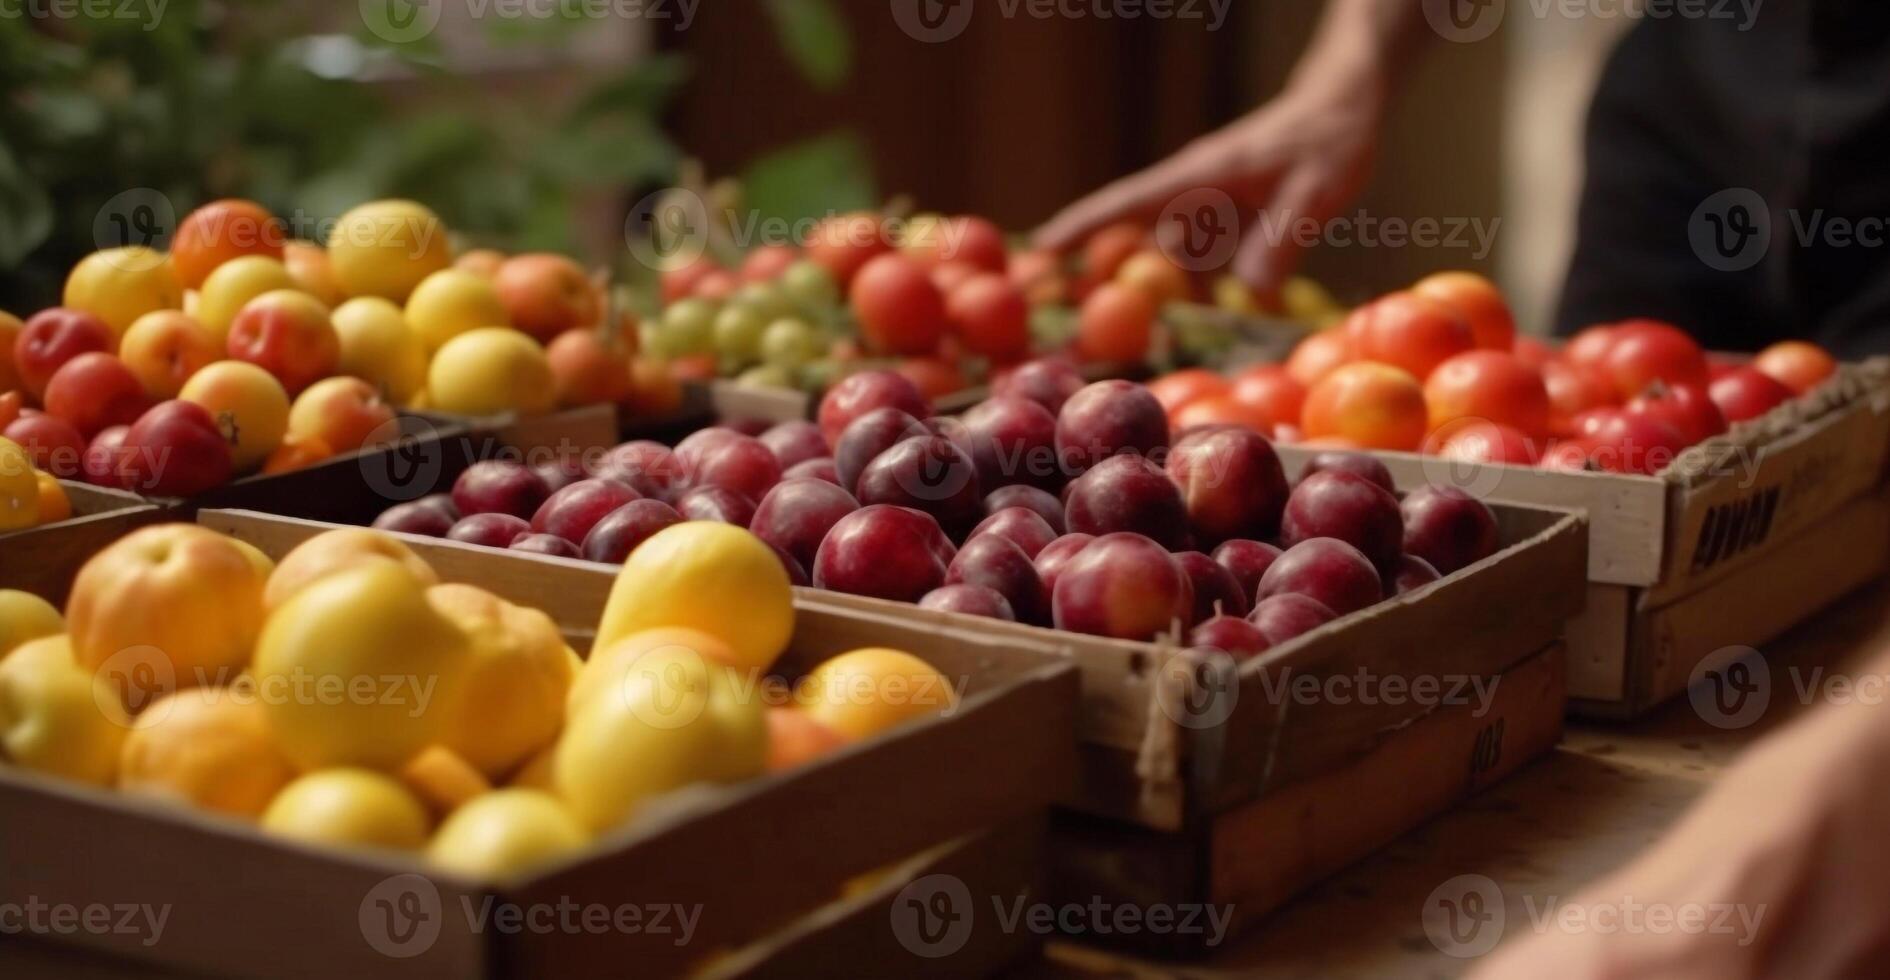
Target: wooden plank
{"points": [[42, 560], [736, 401]]}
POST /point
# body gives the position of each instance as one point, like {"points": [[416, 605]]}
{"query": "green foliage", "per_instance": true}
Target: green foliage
{"points": [[218, 99]]}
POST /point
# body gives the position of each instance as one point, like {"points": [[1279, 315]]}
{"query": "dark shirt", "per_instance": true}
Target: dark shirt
{"points": [[1738, 178]]}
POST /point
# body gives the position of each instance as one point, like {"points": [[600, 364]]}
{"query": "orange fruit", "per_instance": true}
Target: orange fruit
{"points": [[1478, 302], [1317, 356], [1376, 406], [221, 231], [1409, 331], [1796, 364], [1490, 385], [54, 505]]}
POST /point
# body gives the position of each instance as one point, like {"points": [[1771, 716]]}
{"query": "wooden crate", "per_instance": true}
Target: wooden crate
{"points": [[1719, 524], [766, 861], [36, 559]]}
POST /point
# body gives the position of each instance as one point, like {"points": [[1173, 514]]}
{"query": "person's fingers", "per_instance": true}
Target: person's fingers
{"points": [[1270, 250], [1139, 195]]}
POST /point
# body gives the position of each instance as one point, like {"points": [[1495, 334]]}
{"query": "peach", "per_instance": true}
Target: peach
{"points": [[378, 347], [308, 265], [289, 334], [221, 231], [296, 452], [233, 285], [250, 406], [338, 551], [481, 262], [164, 348], [490, 371], [588, 369], [119, 285], [546, 294], [343, 413]]}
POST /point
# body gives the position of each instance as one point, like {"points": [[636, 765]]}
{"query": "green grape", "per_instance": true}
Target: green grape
{"points": [[790, 343], [688, 328], [810, 286], [764, 298], [738, 330]]}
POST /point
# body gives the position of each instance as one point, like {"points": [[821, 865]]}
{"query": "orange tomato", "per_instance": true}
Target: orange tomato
{"points": [[221, 231], [935, 377], [296, 452], [1109, 248], [54, 505], [1409, 331], [1490, 385], [1317, 356], [1116, 325], [693, 367], [1151, 272], [653, 390], [1176, 390], [1272, 391], [1796, 364], [1220, 410], [1377, 406], [1478, 302]]}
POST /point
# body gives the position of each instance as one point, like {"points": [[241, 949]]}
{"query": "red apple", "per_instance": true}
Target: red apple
{"points": [[176, 450], [1248, 561], [649, 468], [1326, 569], [1448, 527], [867, 437], [1107, 418], [613, 539], [1336, 504], [999, 564], [1056, 556], [857, 394], [718, 504], [1012, 440], [499, 487], [1358, 464], [884, 552], [1231, 483], [1048, 381], [929, 474], [1128, 493], [727, 459], [95, 391], [1123, 586], [546, 294], [796, 515], [813, 469], [289, 334], [1046, 505], [1019, 525], [969, 600], [104, 462], [56, 445], [1231, 635], [494, 530], [1282, 617], [1216, 591], [51, 338], [560, 473], [795, 442], [572, 512]]}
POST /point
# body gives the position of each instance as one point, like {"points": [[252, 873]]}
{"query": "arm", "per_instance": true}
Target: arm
{"points": [[1305, 153]]}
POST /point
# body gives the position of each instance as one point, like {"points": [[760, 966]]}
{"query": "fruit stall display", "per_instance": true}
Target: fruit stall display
{"points": [[75, 520], [1042, 514], [1729, 497], [159, 712], [945, 301], [238, 352]]}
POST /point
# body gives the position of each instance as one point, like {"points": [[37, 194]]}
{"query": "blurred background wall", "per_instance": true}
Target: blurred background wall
{"points": [[544, 132]]}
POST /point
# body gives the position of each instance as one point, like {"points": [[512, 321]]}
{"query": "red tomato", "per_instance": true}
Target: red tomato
{"points": [[1489, 385], [1219, 410], [1176, 390], [766, 263], [1040, 275], [1627, 443], [1488, 442], [935, 377], [1688, 409], [899, 309], [1317, 356], [1589, 348], [1116, 325], [1572, 390], [1747, 393], [10, 405], [1269, 389], [1534, 352], [948, 276], [989, 316], [716, 284], [1109, 247], [680, 283], [1571, 454], [1408, 331], [1795, 364], [976, 242], [845, 243], [1478, 302], [1645, 351]]}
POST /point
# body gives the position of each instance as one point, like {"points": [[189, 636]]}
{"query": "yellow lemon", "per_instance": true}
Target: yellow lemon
{"points": [[19, 487], [513, 701], [55, 717], [502, 834], [451, 302], [385, 248], [232, 285], [867, 691], [119, 285], [206, 747], [706, 576], [677, 720], [357, 668], [491, 371], [351, 807], [251, 407], [379, 347], [25, 616]]}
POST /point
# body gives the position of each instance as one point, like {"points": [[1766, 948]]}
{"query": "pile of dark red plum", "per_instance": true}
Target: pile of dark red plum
{"points": [[1054, 503]]}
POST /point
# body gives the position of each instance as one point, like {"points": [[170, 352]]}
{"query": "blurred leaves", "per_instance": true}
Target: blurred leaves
{"points": [[26, 211], [815, 39], [831, 173]]}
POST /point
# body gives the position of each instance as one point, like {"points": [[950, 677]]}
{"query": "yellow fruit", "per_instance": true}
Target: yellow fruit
{"points": [[451, 302], [251, 407], [208, 748], [339, 550], [10, 327], [867, 691], [610, 667], [513, 701], [57, 718], [491, 371], [537, 772], [176, 597], [681, 720], [54, 504], [19, 487], [442, 780], [232, 285], [505, 833], [379, 347], [25, 616], [385, 248], [350, 807], [308, 266], [119, 285], [712, 577], [357, 668]]}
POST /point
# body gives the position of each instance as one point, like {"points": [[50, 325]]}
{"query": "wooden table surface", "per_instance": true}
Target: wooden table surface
{"points": [[1608, 791]]}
